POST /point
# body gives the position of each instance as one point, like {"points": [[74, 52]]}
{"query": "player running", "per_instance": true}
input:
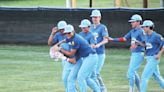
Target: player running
{"points": [[87, 35], [137, 50], [101, 36], [56, 36], [85, 57], [154, 49]]}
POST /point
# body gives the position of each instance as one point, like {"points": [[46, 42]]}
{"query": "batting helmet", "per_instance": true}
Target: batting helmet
{"points": [[61, 24], [85, 23], [95, 13], [135, 18]]}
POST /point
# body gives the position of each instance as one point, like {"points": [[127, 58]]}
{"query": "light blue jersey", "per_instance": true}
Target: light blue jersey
{"points": [[99, 33], [89, 37], [154, 43], [137, 57], [58, 37], [136, 34]]}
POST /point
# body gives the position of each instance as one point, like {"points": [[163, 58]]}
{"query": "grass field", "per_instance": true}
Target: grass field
{"points": [[80, 3], [29, 69]]}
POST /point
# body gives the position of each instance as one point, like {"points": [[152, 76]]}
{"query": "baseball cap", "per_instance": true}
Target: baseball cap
{"points": [[85, 23], [148, 23], [68, 28], [61, 24], [95, 13], [135, 18]]}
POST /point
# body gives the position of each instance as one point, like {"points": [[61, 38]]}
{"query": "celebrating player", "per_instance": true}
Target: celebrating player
{"points": [[87, 35], [135, 35], [55, 38], [85, 57], [100, 33], [154, 49]]}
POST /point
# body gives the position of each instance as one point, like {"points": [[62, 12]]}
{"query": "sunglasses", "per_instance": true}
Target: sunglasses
{"points": [[145, 26], [68, 33]]}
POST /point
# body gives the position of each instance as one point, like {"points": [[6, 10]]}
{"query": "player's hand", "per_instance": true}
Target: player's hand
{"points": [[54, 30], [56, 48], [158, 56], [72, 60], [110, 39], [97, 46], [133, 46]]}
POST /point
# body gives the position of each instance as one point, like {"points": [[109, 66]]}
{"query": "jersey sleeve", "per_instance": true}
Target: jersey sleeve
{"points": [[55, 40], [105, 32], [92, 40], [128, 36], [160, 40], [142, 34]]}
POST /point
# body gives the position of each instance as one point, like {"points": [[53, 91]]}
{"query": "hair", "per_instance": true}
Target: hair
{"points": [[152, 27], [139, 21]]}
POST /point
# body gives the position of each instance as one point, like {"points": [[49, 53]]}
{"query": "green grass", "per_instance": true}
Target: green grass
{"points": [[30, 69], [80, 3]]}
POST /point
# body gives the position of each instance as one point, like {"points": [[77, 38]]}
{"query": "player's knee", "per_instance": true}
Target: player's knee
{"points": [[64, 78], [80, 78], [131, 74], [71, 79]]}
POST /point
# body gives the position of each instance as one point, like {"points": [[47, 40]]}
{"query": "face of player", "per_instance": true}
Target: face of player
{"points": [[69, 34], [61, 30], [96, 19], [85, 29], [146, 29], [135, 24]]}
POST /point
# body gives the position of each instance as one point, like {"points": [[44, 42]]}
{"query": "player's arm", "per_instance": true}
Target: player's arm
{"points": [[158, 56], [120, 39], [50, 39], [105, 38], [68, 53], [104, 41]]}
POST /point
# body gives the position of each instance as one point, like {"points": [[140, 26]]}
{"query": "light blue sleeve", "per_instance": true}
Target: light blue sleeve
{"points": [[92, 40], [160, 41], [55, 39], [142, 35], [105, 32], [128, 35]]}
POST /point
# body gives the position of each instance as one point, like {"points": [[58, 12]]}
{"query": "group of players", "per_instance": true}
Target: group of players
{"points": [[85, 53]]}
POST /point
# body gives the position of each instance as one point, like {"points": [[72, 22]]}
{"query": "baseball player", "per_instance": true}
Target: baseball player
{"points": [[154, 49], [137, 50], [85, 57], [56, 36], [87, 35], [100, 33]]}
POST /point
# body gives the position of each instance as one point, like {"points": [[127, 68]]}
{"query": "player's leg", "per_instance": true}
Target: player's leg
{"points": [[135, 62], [66, 65], [92, 79], [101, 60], [157, 76], [94, 75], [66, 71], [137, 81], [147, 72], [71, 81], [84, 74]]}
